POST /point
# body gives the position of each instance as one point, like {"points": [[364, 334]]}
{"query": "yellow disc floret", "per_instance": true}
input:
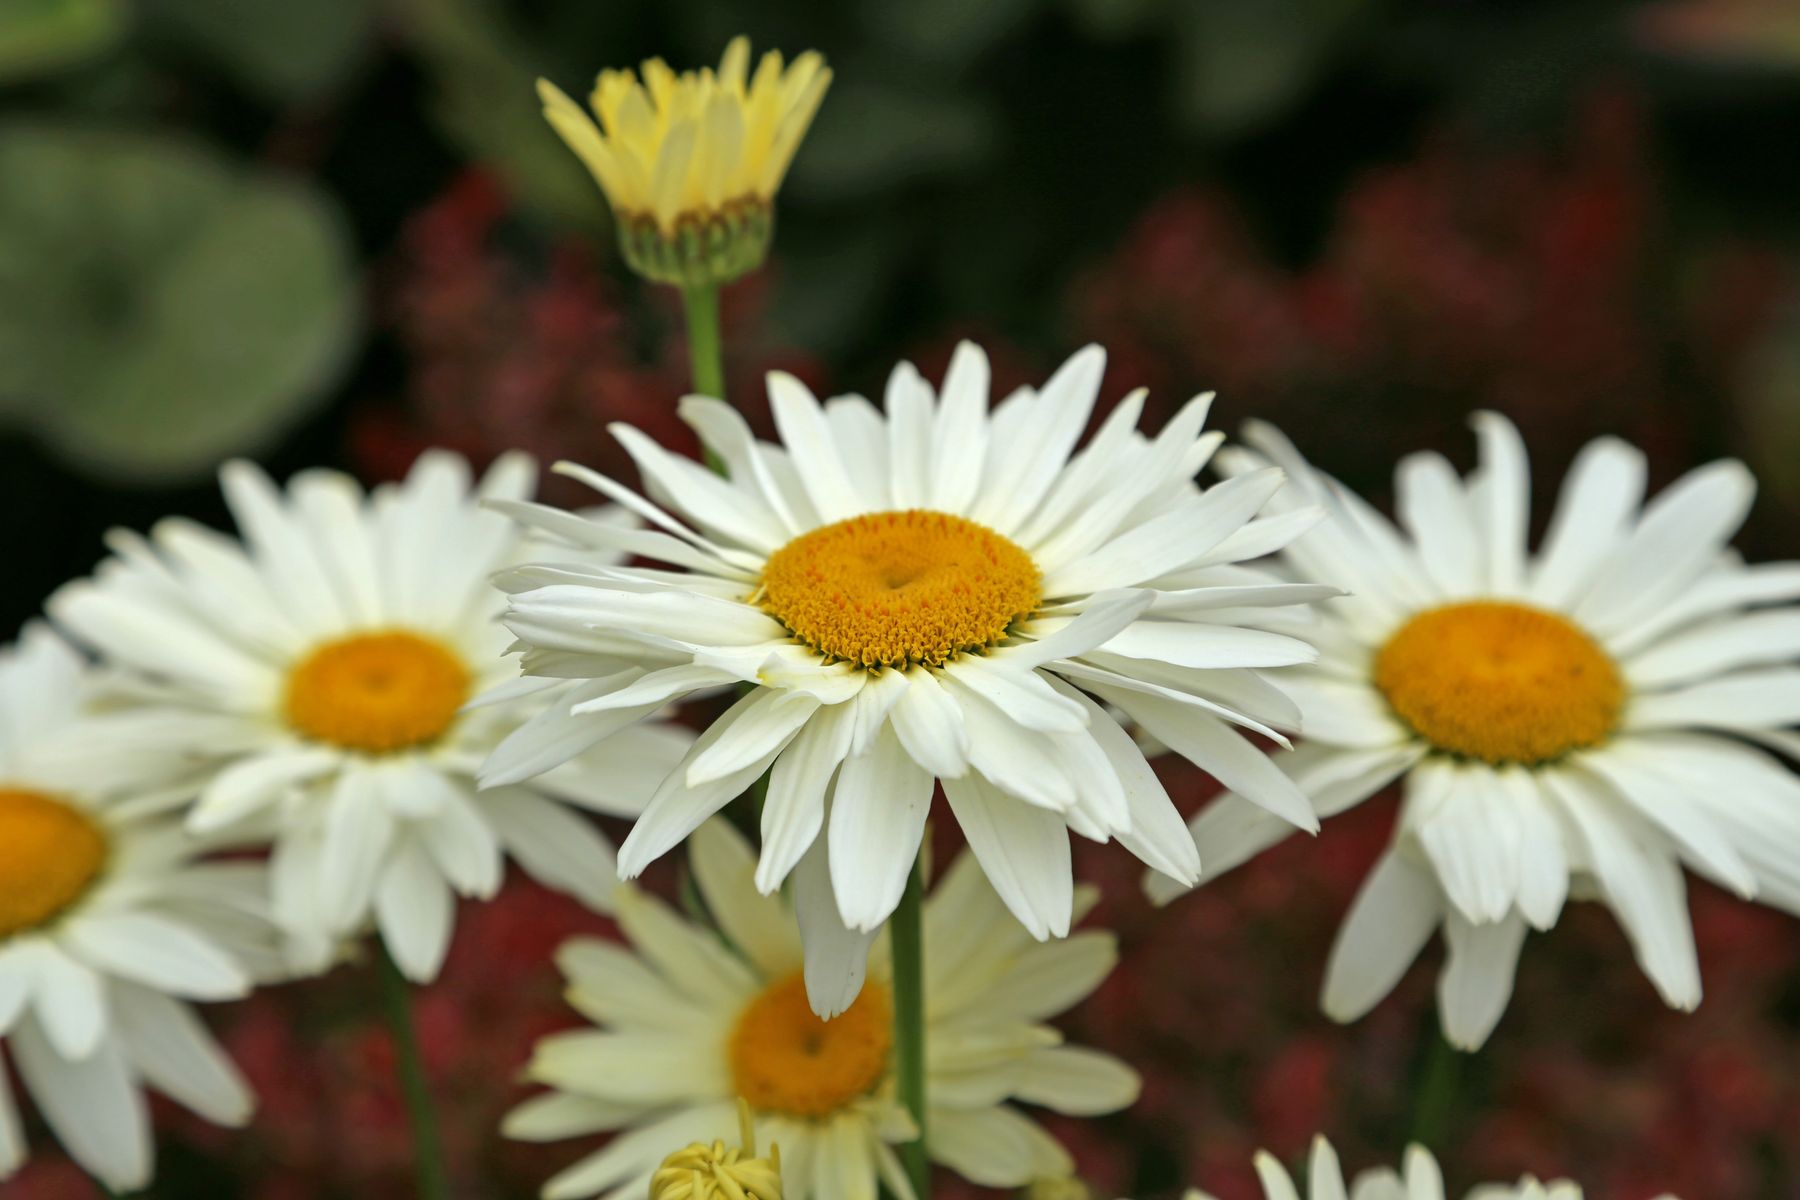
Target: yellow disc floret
{"points": [[50, 854], [784, 1059], [894, 589], [719, 1172], [377, 692], [1500, 682]]}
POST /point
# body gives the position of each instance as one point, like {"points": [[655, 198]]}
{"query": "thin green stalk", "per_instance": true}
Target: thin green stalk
{"points": [[706, 345], [906, 934], [1434, 1097], [428, 1142]]}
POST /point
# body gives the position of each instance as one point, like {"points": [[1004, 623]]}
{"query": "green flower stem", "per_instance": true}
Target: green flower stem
{"points": [[428, 1142], [706, 346], [1434, 1096], [906, 934]]}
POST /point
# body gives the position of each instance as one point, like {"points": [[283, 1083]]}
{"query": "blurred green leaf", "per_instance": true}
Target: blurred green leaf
{"points": [[949, 33], [160, 308], [1771, 407], [279, 49], [485, 81], [41, 36], [1115, 18], [1242, 63], [870, 136]]}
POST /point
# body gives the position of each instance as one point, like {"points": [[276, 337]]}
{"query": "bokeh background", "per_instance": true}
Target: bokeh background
{"points": [[337, 232]]}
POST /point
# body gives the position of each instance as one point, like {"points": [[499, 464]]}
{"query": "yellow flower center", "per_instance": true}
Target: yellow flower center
{"points": [[377, 692], [50, 853], [896, 588], [1501, 682], [784, 1059]]}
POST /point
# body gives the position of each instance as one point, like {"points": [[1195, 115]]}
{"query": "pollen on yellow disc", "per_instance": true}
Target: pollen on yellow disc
{"points": [[377, 692], [784, 1059], [50, 853], [898, 588], [1500, 682]]}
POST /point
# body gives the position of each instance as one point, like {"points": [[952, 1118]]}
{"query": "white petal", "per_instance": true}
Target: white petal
{"points": [[1215, 748], [750, 732], [92, 1105], [909, 403], [690, 958], [557, 846], [1076, 1081], [1022, 695], [878, 813], [168, 1044], [415, 911], [1747, 640], [1433, 507], [1505, 501], [1393, 917], [794, 808], [960, 434], [1156, 834], [13, 1150], [1478, 977], [1599, 499], [1023, 849], [250, 784], [69, 1001], [836, 956], [1019, 472], [157, 952], [1682, 531], [997, 1147], [759, 926], [358, 831], [930, 726], [1472, 835], [807, 436], [1642, 883]]}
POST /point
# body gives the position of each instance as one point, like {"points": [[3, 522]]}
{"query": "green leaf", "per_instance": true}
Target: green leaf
{"points": [[486, 99], [870, 136], [279, 49], [38, 37], [949, 33], [161, 308], [1242, 63]]}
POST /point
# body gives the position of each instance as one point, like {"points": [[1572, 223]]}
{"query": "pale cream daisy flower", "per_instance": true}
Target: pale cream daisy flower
{"points": [[934, 593], [689, 1022], [1581, 720], [108, 929], [691, 162], [1419, 1179], [316, 677]]}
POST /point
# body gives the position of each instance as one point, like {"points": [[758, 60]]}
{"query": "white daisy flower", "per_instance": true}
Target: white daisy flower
{"points": [[690, 1024], [1420, 1180], [934, 593], [1585, 718], [108, 928], [316, 677]]}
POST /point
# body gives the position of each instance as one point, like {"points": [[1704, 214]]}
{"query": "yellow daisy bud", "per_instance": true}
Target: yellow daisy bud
{"points": [[714, 1172], [691, 163]]}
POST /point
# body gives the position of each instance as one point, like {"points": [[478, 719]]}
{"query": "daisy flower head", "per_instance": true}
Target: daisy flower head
{"points": [[934, 593], [109, 928], [690, 1022], [691, 162], [317, 678], [1583, 720], [1419, 1179]]}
